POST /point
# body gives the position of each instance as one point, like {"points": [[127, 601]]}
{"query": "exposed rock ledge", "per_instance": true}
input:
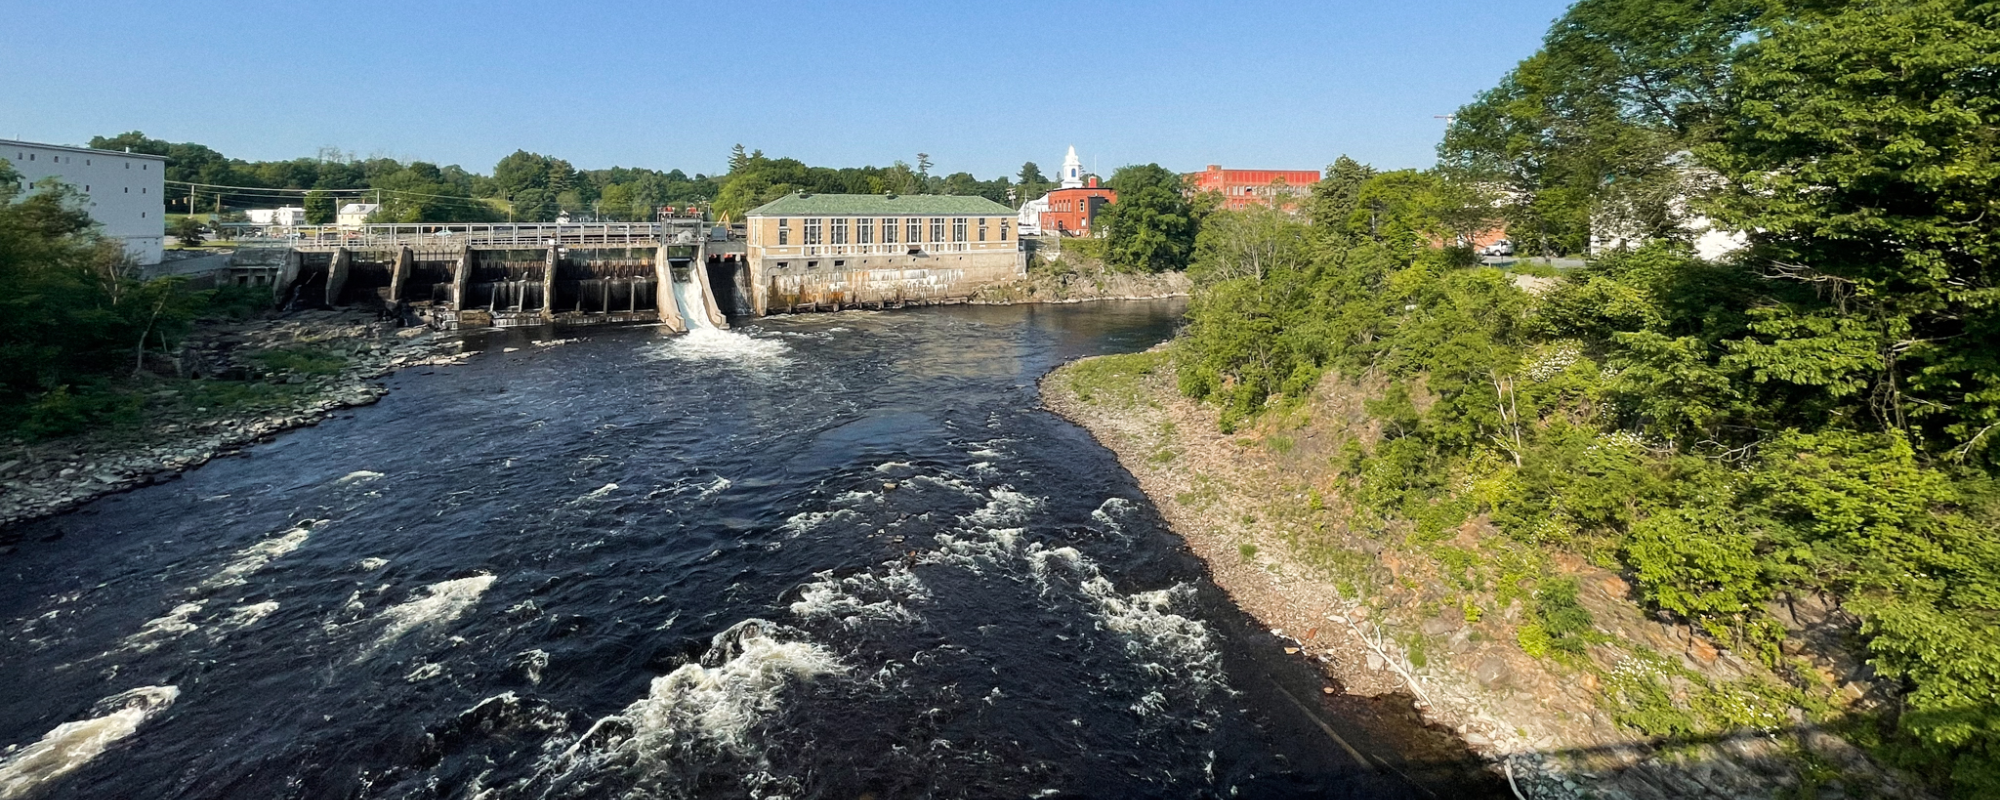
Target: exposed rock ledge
{"points": [[1063, 286]]}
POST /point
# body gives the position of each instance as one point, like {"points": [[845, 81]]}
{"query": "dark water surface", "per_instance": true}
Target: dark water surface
{"points": [[834, 555]]}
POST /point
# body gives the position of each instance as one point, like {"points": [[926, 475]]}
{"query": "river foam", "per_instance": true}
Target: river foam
{"points": [[699, 715], [711, 344], [74, 744], [441, 603]]}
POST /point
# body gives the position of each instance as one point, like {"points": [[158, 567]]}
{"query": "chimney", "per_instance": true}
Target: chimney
{"points": [[1093, 181]]}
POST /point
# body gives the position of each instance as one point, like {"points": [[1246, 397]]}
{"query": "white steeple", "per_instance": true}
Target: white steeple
{"points": [[1072, 171]]}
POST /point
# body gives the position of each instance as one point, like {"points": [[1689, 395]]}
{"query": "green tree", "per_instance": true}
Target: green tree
{"points": [[1152, 227], [1865, 168], [188, 230], [1586, 137], [319, 206]]}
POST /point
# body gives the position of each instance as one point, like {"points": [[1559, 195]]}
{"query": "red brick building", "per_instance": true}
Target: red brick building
{"points": [[1241, 188], [1072, 210]]}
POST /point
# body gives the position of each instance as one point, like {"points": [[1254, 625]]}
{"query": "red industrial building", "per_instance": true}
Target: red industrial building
{"points": [[1241, 188], [1072, 210]]}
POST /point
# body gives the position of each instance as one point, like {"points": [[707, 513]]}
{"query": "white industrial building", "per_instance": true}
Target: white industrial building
{"points": [[122, 191]]}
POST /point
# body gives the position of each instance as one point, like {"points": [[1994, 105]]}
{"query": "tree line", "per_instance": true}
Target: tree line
{"points": [[525, 186], [1814, 414]]}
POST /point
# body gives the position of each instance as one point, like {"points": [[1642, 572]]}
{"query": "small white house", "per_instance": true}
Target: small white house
{"points": [[122, 191], [355, 215], [280, 217]]}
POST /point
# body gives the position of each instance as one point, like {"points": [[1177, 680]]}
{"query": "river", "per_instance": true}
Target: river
{"points": [[836, 555]]}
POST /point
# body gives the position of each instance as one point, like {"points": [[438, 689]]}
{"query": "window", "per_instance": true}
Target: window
{"points": [[958, 229], [937, 229], [982, 230], [888, 230], [839, 263], [915, 231], [784, 232], [1003, 230], [812, 231], [840, 231], [864, 231]]}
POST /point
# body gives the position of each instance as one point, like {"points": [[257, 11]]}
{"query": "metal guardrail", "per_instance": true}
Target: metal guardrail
{"points": [[486, 235]]}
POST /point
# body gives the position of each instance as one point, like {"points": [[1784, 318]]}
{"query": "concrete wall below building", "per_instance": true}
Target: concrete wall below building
{"points": [[880, 281]]}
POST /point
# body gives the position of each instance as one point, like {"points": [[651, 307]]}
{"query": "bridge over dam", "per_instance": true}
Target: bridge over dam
{"points": [[680, 273]]}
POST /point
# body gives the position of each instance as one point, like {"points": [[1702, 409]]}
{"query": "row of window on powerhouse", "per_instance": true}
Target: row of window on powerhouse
{"points": [[912, 229]]}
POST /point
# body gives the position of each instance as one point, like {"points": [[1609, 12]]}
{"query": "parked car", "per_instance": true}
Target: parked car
{"points": [[1499, 248]]}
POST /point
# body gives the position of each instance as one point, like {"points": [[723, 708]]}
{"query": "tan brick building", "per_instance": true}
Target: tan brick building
{"points": [[819, 250]]}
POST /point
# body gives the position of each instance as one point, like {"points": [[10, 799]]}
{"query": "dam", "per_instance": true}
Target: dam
{"points": [[799, 254]]}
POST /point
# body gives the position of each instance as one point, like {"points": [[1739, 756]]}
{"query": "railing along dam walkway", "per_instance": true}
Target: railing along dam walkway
{"points": [[482, 236]]}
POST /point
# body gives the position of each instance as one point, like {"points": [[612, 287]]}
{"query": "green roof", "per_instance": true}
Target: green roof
{"points": [[867, 205]]}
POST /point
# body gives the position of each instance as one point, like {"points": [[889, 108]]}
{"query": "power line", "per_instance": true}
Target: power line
{"points": [[358, 192]]}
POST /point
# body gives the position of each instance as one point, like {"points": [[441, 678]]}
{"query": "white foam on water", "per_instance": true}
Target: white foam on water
{"points": [[865, 597], [701, 713], [440, 604], [165, 628], [531, 663], [249, 560], [857, 498], [947, 482], [424, 672], [1113, 509], [358, 476], [599, 492], [74, 744], [372, 564], [892, 466], [806, 521], [711, 344], [1007, 507], [242, 617], [711, 489]]}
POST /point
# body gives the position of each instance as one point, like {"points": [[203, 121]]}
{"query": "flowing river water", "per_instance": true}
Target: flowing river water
{"points": [[838, 555]]}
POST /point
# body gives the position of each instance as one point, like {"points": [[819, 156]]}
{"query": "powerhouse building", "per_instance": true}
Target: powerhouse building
{"points": [[878, 248]]}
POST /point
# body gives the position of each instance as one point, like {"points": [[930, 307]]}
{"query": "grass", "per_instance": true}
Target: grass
{"points": [[1111, 379], [302, 360]]}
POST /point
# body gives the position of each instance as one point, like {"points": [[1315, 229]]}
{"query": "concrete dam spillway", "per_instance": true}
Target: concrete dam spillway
{"points": [[684, 276]]}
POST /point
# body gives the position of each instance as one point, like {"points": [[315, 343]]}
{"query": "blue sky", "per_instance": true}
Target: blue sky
{"points": [[982, 86]]}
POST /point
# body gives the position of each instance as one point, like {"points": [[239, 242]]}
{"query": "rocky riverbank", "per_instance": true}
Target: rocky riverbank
{"points": [[245, 381], [1261, 506]]}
